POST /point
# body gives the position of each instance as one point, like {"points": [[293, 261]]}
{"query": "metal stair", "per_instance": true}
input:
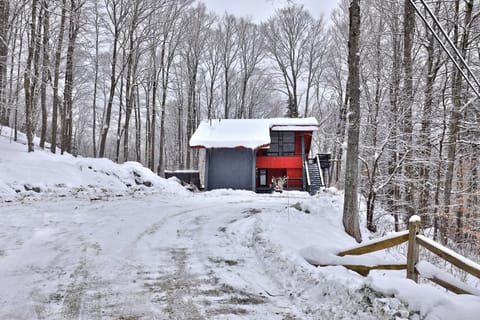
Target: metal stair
{"points": [[314, 176]]}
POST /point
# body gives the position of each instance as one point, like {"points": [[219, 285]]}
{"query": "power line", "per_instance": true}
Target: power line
{"points": [[447, 37]]}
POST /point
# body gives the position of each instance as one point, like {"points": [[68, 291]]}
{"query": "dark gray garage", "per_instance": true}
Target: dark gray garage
{"points": [[230, 168]]}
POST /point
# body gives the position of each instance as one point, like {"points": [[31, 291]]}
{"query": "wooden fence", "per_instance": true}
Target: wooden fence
{"points": [[414, 268]]}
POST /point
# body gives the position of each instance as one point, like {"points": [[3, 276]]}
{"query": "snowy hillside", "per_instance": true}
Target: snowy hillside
{"points": [[42, 173], [148, 249]]}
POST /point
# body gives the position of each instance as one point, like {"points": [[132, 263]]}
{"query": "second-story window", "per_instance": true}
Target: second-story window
{"points": [[282, 143]]}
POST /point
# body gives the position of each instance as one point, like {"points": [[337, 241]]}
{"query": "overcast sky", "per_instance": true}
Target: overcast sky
{"points": [[261, 10]]}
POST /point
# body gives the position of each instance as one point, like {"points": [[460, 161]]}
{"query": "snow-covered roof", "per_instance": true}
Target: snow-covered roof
{"points": [[247, 133]]}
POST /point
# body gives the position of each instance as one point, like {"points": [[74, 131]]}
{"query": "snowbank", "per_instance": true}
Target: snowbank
{"points": [[312, 229], [42, 173]]}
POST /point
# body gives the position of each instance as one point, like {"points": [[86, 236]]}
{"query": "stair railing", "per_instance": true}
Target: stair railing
{"points": [[307, 174], [320, 171]]}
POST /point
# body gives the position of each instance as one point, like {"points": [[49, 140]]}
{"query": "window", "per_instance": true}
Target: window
{"points": [[282, 143], [263, 177]]}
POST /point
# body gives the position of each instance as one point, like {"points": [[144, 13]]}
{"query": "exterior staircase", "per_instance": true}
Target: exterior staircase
{"points": [[314, 176], [317, 172]]}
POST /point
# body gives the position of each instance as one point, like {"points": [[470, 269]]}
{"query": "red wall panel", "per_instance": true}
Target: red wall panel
{"points": [[279, 162]]}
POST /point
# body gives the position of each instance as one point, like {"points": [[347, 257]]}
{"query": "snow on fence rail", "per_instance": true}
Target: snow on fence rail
{"points": [[413, 266]]}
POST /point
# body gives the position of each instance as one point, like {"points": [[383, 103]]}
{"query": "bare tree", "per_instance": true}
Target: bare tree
{"points": [[199, 23], [316, 51], [56, 76], [229, 50], [350, 208], [170, 40], [117, 12], [45, 71], [4, 14], [287, 40], [135, 38], [251, 52], [212, 66], [456, 115], [31, 74], [373, 92], [434, 61], [393, 192], [16, 41], [336, 76], [407, 106], [95, 78], [67, 115]]}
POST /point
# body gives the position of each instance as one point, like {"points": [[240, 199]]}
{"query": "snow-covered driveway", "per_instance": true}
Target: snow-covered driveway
{"points": [[213, 255], [154, 257]]}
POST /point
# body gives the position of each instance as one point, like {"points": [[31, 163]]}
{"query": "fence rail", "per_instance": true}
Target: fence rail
{"points": [[412, 266]]}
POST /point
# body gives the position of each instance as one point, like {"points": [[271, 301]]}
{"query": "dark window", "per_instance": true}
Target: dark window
{"points": [[282, 143]]}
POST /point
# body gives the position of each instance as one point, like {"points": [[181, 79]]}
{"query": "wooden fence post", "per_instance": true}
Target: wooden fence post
{"points": [[412, 254]]}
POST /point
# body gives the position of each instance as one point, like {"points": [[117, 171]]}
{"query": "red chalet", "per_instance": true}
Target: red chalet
{"points": [[259, 154]]}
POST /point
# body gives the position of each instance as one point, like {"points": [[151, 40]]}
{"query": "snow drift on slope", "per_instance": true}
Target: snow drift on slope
{"points": [[313, 229], [42, 173]]}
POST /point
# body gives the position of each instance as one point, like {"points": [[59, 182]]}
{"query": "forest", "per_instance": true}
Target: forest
{"points": [[130, 80]]}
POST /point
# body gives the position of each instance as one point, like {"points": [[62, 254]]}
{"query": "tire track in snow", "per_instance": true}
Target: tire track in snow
{"points": [[169, 283], [185, 284]]}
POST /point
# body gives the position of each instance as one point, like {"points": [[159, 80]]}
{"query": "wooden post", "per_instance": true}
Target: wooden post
{"points": [[412, 254]]}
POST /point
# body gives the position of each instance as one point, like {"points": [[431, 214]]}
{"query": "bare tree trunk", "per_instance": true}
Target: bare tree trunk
{"points": [[148, 90], [129, 86], [138, 127], [161, 150], [192, 83], [459, 205], [373, 126], [153, 123], [340, 136], [426, 124], [171, 37], [129, 96], [95, 84], [180, 151], [226, 106], [350, 209], [119, 121], [433, 65], [18, 85], [31, 76], [210, 98], [56, 77], [13, 96], [229, 55], [456, 115], [117, 16], [166, 63], [407, 105], [67, 123], [437, 226], [251, 49], [4, 14], [45, 64], [394, 89]]}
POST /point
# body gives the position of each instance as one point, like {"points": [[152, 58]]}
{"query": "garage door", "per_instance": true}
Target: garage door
{"points": [[230, 168]]}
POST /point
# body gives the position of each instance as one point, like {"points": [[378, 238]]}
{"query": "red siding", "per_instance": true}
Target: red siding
{"points": [[294, 178], [275, 173], [279, 162]]}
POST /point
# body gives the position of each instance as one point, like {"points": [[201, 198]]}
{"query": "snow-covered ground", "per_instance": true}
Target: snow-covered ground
{"points": [[89, 239]]}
